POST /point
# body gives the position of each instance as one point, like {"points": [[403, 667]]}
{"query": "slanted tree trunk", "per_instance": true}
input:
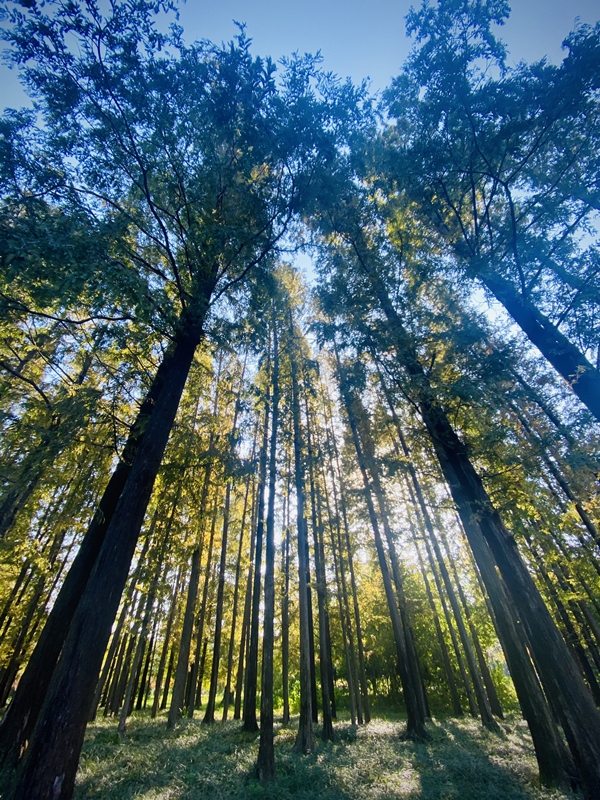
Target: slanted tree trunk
{"points": [[581, 377], [553, 661], [51, 763], [422, 515], [482, 699], [485, 672], [18, 722], [431, 539], [368, 449], [415, 729], [570, 634], [579, 717], [456, 704]]}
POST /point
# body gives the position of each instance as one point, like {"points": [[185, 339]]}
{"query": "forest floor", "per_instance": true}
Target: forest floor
{"points": [[462, 761]]}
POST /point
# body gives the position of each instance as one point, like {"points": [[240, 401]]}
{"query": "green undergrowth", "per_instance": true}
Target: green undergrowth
{"points": [[461, 762]]}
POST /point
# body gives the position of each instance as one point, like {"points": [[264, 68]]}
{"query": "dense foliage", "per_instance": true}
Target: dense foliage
{"points": [[227, 488]]}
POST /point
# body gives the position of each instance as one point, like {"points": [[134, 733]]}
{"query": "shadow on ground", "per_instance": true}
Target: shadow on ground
{"points": [[462, 761]]}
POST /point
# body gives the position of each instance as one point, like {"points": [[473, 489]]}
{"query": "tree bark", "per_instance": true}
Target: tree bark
{"points": [[197, 673], [415, 729], [285, 609], [324, 651], [18, 722], [234, 612], [250, 684], [165, 648], [557, 670], [581, 377], [247, 608], [181, 671], [304, 740], [265, 764], [209, 715], [52, 757]]}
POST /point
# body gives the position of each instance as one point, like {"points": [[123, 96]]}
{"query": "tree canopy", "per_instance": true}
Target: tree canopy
{"points": [[328, 496]]}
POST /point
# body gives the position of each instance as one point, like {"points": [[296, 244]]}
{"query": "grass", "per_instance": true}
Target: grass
{"points": [[462, 761]]}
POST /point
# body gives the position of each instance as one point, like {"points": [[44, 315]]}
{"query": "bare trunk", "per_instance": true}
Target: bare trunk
{"points": [[304, 740], [265, 764], [54, 749]]}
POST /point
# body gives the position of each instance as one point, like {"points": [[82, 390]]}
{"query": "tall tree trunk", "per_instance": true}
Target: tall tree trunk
{"points": [[456, 705], [581, 377], [250, 684], [116, 675], [324, 653], [143, 636], [144, 690], [557, 670], [304, 740], [579, 717], [570, 634], [197, 673], [238, 571], [18, 722], [265, 764], [485, 672], [165, 648], [346, 631], [181, 671], [129, 594], [247, 609], [183, 657], [482, 699], [53, 753], [368, 450], [209, 715], [165, 697], [341, 506], [415, 729], [285, 602]]}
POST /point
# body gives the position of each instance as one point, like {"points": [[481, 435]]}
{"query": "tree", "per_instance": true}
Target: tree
{"points": [[492, 165], [371, 267], [202, 203]]}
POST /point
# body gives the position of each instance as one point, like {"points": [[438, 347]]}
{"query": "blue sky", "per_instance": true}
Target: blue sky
{"points": [[357, 38], [366, 38]]}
